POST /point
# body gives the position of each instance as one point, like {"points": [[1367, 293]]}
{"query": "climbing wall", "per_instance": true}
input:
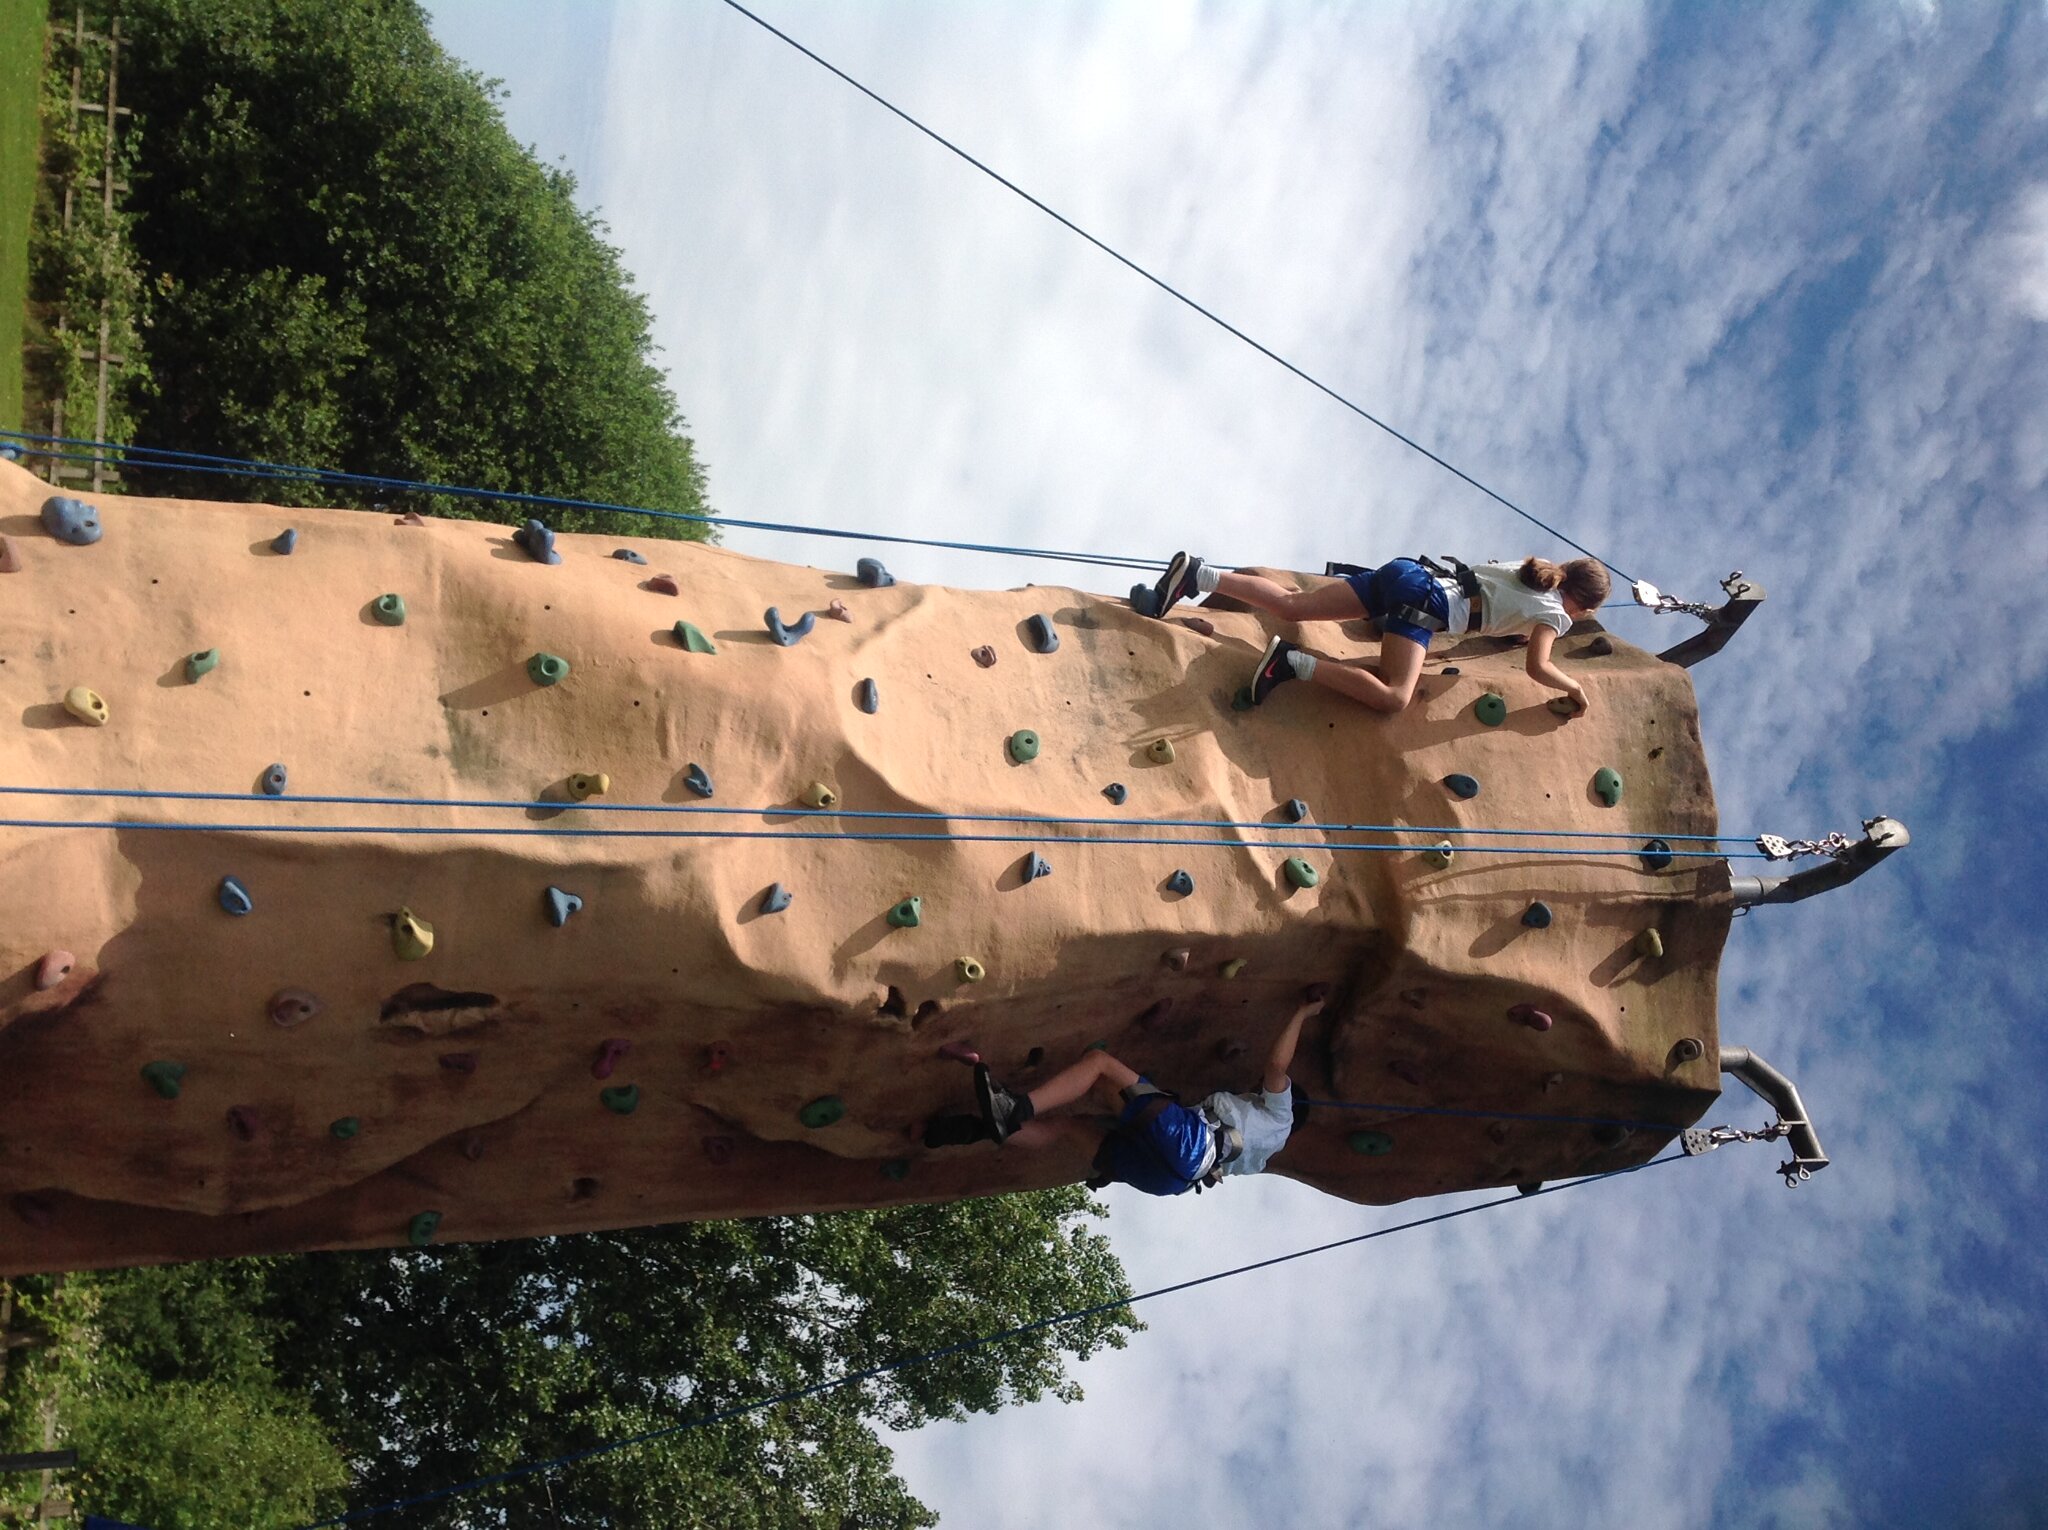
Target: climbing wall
{"points": [[232, 1035]]}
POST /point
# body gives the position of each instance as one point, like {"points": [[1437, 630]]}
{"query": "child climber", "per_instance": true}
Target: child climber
{"points": [[1410, 600], [1157, 1144]]}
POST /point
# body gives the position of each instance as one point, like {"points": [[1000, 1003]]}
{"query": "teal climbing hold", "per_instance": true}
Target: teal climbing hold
{"points": [[1300, 872], [776, 899], [869, 571], [1537, 916], [204, 662], [1461, 786], [1371, 1144], [275, 780], [699, 782], [908, 914], [419, 1232], [1296, 810], [71, 520], [691, 637], [234, 897], [1491, 709], [1023, 746], [1243, 701], [560, 905], [1116, 792], [621, 1099], [1043, 638], [822, 1111], [896, 1169], [868, 697], [166, 1078], [546, 669], [1181, 883], [1656, 855], [344, 1127], [389, 609], [285, 543], [1607, 785], [786, 634], [1036, 866]]}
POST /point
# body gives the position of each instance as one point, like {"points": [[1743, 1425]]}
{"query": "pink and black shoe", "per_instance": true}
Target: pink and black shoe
{"points": [[1274, 668], [1177, 583]]}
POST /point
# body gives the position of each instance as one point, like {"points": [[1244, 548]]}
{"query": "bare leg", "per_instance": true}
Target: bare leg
{"points": [[1333, 603], [1075, 1080], [1082, 1133]]}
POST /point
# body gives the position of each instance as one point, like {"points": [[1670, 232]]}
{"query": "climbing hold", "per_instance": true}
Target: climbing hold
{"points": [[243, 1123], [411, 936], [560, 905], [86, 706], [166, 1078], [1036, 866], [538, 541], [697, 781], [389, 609], [662, 584], [1529, 1015], [1450, 669], [869, 571], [546, 669], [621, 1099], [414, 518], [1161, 751], [985, 656], [775, 900], [1537, 916], [838, 612], [822, 1111], [1230, 1049], [1497, 1132], [716, 1057], [908, 914], [1295, 809], [1686, 1049], [1316, 993], [54, 968], [419, 1232], [1116, 792], [819, 795], [1461, 786], [1243, 700], [1043, 638], [788, 634], [960, 1052], [1177, 958], [1407, 1072], [1612, 1133], [10, 556], [1607, 785], [36, 1210], [627, 555], [868, 697], [275, 780], [589, 784], [204, 662], [1181, 883], [1231, 968], [472, 1146], [1491, 709], [718, 1150], [1300, 872], [1649, 943], [458, 1062], [344, 1128], [293, 1006], [1200, 624], [1155, 1012], [970, 970], [1599, 648], [234, 897], [691, 638], [1023, 746], [1371, 1144], [71, 520], [1439, 854], [896, 1168], [608, 1055], [1144, 600], [1656, 855], [1563, 706]]}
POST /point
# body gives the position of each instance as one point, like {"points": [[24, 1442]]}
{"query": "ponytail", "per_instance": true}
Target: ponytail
{"points": [[1541, 574], [1583, 579]]}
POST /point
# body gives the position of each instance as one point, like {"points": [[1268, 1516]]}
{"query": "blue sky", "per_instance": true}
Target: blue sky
{"points": [[1710, 287]]}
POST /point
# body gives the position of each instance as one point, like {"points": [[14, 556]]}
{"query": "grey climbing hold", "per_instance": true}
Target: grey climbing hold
{"points": [[546, 669], [1177, 958], [560, 905], [608, 1054], [621, 1099], [1439, 854], [71, 520], [1300, 872], [1656, 855], [389, 609], [1200, 624], [1043, 638], [204, 662], [344, 1128], [1036, 866], [1023, 746], [285, 543], [908, 914], [419, 1232], [166, 1078], [1649, 944], [414, 518], [275, 780], [868, 697], [1161, 751], [787, 634], [293, 1006], [1491, 709], [776, 899], [1537, 916], [1529, 1015], [234, 897], [1296, 810], [1461, 786], [1116, 792], [869, 571], [698, 781], [1607, 785], [627, 555], [691, 638], [1599, 648], [1181, 883], [538, 541]]}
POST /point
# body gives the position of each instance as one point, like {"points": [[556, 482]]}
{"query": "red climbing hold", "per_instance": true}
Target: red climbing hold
{"points": [[458, 1062], [10, 560], [1531, 1016], [473, 1146], [36, 1210], [1200, 624], [608, 1057], [838, 612], [716, 1056], [719, 1150], [960, 1052], [985, 656], [53, 969], [411, 518], [663, 584]]}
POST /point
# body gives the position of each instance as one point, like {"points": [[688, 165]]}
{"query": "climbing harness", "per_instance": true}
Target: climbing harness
{"points": [[1697, 1141]]}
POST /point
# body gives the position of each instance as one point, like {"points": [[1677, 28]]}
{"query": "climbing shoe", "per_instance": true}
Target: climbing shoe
{"points": [[1001, 1111], [1273, 668], [1176, 584]]}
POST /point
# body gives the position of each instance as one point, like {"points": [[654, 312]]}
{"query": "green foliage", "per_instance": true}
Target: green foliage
{"points": [[357, 266], [21, 59]]}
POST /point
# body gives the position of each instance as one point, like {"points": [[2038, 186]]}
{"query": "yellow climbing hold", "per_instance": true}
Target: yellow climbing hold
{"points": [[1233, 967], [1649, 943], [594, 784], [1161, 751], [970, 970], [1438, 854], [819, 795], [86, 706], [411, 936]]}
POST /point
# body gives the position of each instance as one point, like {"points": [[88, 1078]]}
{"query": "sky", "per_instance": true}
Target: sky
{"points": [[1706, 287]]}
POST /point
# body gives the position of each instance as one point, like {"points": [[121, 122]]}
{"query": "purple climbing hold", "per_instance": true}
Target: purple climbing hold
{"points": [[1036, 866], [71, 520], [243, 1123], [869, 571], [1531, 1016], [775, 900], [1180, 882], [985, 656], [560, 905], [275, 779], [662, 584], [1043, 638], [234, 897], [787, 633], [458, 1062], [960, 1052], [293, 1006], [285, 543], [53, 969], [697, 781], [608, 1056], [627, 555], [868, 697], [1116, 792], [719, 1150], [36, 1210], [538, 541]]}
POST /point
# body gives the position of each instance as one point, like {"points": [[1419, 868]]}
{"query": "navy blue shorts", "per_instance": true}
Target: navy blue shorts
{"points": [[1159, 1145], [1403, 582]]}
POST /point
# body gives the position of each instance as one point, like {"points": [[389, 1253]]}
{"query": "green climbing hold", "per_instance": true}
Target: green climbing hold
{"points": [[1243, 701], [389, 609], [1607, 785], [908, 914], [343, 1129], [691, 638], [1301, 873], [621, 1099], [1372, 1144], [1439, 854], [204, 662], [1491, 709], [166, 1078], [546, 669], [896, 1169], [822, 1111], [1023, 746], [419, 1232], [1649, 943]]}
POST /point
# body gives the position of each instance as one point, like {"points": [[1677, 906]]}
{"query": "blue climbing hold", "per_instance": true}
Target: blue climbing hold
{"points": [[285, 543], [1036, 866], [1144, 600], [561, 905], [787, 633], [275, 779], [869, 571], [697, 781], [1656, 855], [627, 555], [1116, 792], [775, 900], [538, 541], [234, 897], [868, 698], [1296, 810], [1181, 883], [71, 520], [1043, 638], [1461, 786], [1537, 916]]}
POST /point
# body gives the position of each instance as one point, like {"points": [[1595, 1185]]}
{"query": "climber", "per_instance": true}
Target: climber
{"points": [[1157, 1144], [1410, 600]]}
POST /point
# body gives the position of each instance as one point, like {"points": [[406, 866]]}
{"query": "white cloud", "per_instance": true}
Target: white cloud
{"points": [[2026, 248]]}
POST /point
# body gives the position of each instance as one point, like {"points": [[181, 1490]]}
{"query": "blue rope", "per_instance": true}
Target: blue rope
{"points": [[965, 1346], [1172, 291], [1375, 1108]]}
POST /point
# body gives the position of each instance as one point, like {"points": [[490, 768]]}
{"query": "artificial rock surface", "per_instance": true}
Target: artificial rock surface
{"points": [[343, 1128]]}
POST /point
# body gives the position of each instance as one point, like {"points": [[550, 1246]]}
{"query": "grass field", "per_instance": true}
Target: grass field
{"points": [[21, 67]]}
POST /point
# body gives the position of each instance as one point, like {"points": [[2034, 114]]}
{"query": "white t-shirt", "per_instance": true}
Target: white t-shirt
{"points": [[1510, 607], [1266, 1120]]}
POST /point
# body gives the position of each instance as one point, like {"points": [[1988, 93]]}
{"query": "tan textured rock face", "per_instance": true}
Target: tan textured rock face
{"points": [[470, 1073]]}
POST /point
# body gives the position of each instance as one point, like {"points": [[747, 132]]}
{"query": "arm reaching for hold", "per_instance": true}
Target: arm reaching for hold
{"points": [[1543, 672], [1281, 1058]]}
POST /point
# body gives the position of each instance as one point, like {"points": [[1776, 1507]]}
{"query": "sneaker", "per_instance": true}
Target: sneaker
{"points": [[1273, 668], [1001, 1111], [1176, 584]]}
